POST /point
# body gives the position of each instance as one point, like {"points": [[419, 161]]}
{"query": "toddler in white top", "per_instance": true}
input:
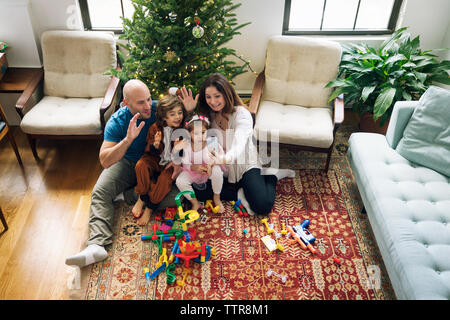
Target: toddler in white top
{"points": [[197, 152]]}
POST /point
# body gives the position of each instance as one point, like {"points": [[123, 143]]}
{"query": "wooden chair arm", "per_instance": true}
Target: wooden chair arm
{"points": [[108, 99], [338, 113], [110, 93], [257, 93], [28, 92]]}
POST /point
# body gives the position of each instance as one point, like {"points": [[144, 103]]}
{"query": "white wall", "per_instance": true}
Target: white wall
{"points": [[429, 19], [54, 15], [17, 31]]}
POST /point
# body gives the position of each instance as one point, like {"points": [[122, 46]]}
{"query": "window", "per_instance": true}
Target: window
{"points": [[105, 14], [341, 17]]}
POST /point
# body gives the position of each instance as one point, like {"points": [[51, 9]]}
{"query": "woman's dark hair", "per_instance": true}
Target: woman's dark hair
{"points": [[221, 83], [165, 104]]}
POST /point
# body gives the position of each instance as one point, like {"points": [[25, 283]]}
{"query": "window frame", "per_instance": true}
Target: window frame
{"points": [[85, 16], [390, 29]]}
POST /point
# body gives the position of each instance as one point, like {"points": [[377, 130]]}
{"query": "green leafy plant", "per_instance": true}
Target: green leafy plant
{"points": [[373, 79]]}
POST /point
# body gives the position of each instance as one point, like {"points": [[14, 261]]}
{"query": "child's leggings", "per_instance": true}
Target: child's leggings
{"points": [[184, 181]]}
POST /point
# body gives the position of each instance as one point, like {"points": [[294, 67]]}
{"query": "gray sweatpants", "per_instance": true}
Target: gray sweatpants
{"points": [[112, 181], [118, 178]]}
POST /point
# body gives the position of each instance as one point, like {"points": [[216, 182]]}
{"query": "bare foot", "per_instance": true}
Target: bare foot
{"points": [[195, 204], [142, 221], [219, 203], [137, 209]]}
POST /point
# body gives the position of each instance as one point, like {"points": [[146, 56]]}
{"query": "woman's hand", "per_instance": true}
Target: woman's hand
{"points": [[218, 158], [187, 99]]}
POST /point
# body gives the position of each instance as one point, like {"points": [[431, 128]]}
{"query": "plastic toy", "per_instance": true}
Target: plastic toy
{"points": [[271, 272], [269, 229], [147, 275], [209, 207], [302, 235], [181, 283], [336, 259], [283, 229], [185, 247], [269, 242], [239, 207], [161, 265], [171, 277]]}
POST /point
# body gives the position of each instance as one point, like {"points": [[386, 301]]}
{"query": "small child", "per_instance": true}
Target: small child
{"points": [[157, 158], [196, 152]]}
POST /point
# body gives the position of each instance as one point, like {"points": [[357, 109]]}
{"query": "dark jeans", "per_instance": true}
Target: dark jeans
{"points": [[259, 190]]}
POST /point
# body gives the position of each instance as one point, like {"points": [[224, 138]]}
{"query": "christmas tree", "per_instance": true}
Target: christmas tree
{"points": [[174, 43]]}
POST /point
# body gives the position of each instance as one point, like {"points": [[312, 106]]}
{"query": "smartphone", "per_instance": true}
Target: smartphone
{"points": [[212, 144]]}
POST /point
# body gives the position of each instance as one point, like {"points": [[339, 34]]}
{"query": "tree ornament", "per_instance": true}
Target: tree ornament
{"points": [[169, 55], [198, 31], [172, 16]]}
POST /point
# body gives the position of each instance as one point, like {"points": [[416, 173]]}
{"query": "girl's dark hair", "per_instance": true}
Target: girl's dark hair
{"points": [[166, 104], [221, 83]]}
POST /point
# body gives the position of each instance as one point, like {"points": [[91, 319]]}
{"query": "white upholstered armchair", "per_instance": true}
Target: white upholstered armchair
{"points": [[78, 98], [289, 95]]}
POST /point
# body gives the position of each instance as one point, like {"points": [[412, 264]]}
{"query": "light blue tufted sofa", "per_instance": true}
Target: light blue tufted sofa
{"points": [[408, 207]]}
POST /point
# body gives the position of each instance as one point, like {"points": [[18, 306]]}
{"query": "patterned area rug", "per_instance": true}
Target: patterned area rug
{"points": [[242, 267]]}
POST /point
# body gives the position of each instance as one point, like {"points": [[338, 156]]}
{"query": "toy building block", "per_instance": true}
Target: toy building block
{"points": [[171, 277], [147, 275], [169, 216], [239, 208], [161, 265], [271, 272], [181, 283], [279, 246], [209, 207], [283, 229], [269, 229]]}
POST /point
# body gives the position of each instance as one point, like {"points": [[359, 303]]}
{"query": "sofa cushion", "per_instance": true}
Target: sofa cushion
{"points": [[409, 211], [295, 124], [64, 116], [298, 68], [426, 138]]}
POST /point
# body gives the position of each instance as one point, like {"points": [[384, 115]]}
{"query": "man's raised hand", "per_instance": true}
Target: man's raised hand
{"points": [[134, 130]]}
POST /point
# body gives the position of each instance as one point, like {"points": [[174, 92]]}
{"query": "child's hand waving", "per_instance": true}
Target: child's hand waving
{"points": [[157, 139]]}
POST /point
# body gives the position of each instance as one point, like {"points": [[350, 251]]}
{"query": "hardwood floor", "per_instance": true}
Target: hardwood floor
{"points": [[46, 205]]}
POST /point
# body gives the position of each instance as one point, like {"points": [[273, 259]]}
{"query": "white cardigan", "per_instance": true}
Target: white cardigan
{"points": [[241, 152]]}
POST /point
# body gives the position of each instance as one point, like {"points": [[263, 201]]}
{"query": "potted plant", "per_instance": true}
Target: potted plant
{"points": [[373, 79]]}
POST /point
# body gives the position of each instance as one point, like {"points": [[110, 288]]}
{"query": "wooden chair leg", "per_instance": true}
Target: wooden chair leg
{"points": [[14, 146], [32, 142], [2, 218], [330, 151]]}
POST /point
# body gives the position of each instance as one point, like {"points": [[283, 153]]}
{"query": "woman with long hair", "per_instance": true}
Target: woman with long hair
{"points": [[233, 124]]}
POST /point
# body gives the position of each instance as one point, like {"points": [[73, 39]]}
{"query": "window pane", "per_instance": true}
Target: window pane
{"points": [[340, 14], [374, 14], [105, 14], [128, 8], [305, 14]]}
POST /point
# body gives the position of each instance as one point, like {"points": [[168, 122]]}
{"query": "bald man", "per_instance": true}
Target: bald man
{"points": [[123, 145]]}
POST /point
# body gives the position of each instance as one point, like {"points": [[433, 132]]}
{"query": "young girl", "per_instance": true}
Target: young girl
{"points": [[197, 152], [257, 185], [157, 158]]}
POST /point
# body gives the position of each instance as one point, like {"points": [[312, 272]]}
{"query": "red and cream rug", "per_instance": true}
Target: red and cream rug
{"points": [[242, 267]]}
